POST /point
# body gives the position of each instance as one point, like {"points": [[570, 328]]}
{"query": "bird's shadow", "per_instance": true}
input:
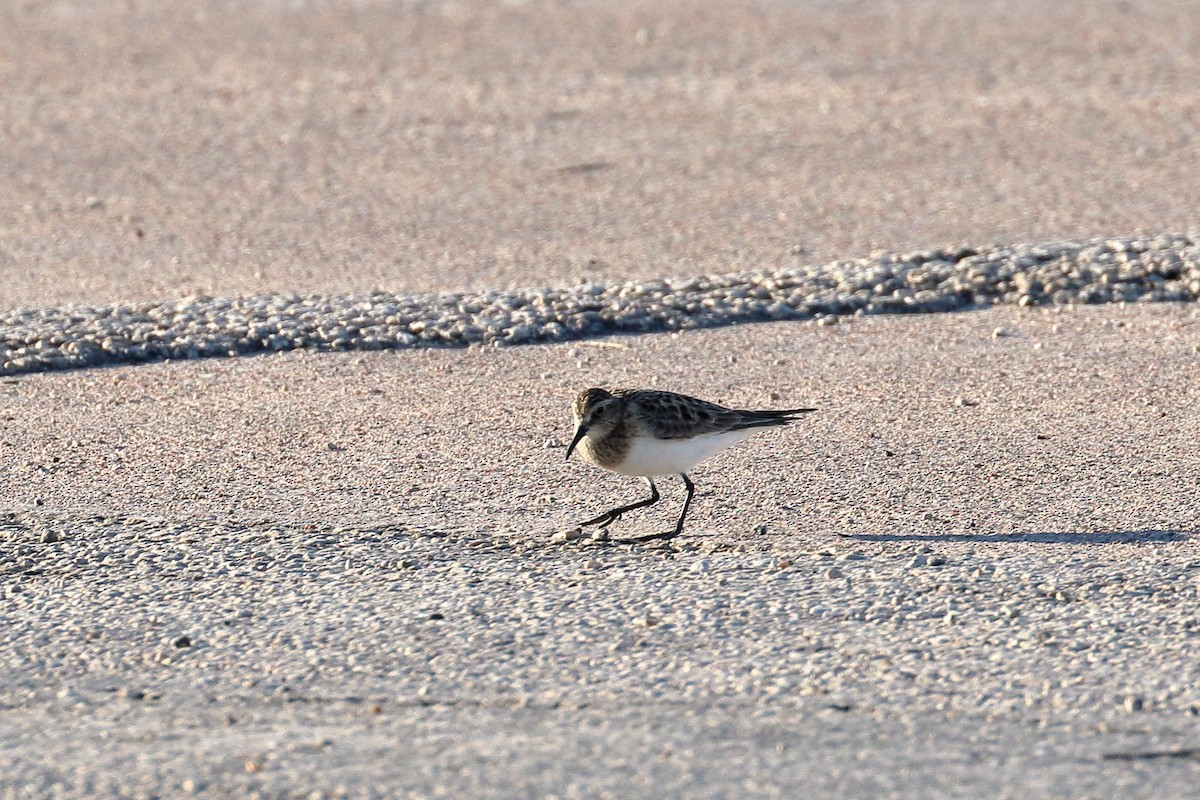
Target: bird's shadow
{"points": [[1043, 537]]}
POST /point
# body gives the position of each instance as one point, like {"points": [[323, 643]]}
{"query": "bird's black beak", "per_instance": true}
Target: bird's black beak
{"points": [[580, 432]]}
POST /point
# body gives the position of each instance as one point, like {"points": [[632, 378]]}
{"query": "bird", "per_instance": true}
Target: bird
{"points": [[649, 433]]}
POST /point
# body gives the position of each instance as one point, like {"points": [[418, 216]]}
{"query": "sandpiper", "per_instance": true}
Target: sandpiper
{"points": [[651, 433]]}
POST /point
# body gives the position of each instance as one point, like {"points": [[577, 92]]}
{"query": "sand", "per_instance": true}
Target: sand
{"points": [[972, 573]]}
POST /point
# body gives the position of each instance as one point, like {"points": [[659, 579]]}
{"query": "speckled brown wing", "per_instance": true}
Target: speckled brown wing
{"points": [[666, 415]]}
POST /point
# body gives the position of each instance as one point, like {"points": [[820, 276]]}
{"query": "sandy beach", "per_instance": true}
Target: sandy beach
{"points": [[973, 573]]}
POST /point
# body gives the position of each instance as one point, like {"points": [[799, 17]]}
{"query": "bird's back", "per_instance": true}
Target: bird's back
{"points": [[667, 415]]}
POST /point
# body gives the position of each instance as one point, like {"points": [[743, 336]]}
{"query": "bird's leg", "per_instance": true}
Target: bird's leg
{"points": [[691, 491], [665, 535], [609, 517]]}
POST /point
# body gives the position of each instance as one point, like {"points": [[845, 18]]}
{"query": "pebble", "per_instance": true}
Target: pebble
{"points": [[584, 626], [1162, 267]]}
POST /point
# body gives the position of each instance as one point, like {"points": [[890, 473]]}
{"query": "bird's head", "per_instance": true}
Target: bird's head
{"points": [[596, 411]]}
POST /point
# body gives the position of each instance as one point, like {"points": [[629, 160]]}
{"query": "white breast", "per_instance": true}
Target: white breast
{"points": [[648, 457]]}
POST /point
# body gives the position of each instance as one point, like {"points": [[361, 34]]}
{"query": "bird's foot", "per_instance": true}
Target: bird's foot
{"points": [[665, 536], [604, 520]]}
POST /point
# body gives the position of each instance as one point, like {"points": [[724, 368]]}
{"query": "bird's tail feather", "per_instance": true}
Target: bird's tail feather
{"points": [[759, 419]]}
